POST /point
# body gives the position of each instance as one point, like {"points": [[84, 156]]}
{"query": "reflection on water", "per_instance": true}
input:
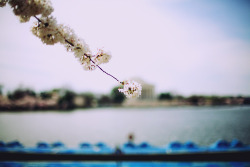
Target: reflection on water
{"points": [[159, 126]]}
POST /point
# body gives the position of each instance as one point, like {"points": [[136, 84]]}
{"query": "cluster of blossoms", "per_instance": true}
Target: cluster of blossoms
{"points": [[131, 89], [3, 3], [24, 9], [50, 32]]}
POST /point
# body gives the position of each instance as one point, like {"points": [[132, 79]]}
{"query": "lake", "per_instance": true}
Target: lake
{"points": [[158, 126]]}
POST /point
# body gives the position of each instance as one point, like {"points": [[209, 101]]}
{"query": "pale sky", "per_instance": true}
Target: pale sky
{"points": [[183, 46]]}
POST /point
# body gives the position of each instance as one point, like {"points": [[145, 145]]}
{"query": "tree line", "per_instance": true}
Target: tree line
{"points": [[59, 99], [66, 99], [199, 100]]}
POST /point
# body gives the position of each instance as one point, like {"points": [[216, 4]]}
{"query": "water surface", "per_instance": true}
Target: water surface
{"points": [[159, 126]]}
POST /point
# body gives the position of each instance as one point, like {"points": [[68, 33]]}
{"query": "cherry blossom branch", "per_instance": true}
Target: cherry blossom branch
{"points": [[95, 63], [50, 33], [70, 43], [130, 88]]}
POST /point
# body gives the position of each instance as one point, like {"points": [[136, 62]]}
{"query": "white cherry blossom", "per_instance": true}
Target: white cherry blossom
{"points": [[131, 89], [102, 57], [47, 30], [27, 8], [3, 3]]}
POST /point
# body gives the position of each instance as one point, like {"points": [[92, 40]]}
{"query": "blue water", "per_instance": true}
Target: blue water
{"points": [[158, 126]]}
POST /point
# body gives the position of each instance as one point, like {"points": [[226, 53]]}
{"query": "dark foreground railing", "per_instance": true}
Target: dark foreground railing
{"points": [[242, 156]]}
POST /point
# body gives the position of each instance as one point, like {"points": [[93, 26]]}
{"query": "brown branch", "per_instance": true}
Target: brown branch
{"points": [[87, 56]]}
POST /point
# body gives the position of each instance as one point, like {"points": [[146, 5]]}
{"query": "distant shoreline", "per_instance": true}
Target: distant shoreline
{"points": [[70, 102]]}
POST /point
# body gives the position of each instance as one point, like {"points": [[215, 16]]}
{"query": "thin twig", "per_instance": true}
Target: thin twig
{"points": [[104, 71], [38, 19], [107, 73]]}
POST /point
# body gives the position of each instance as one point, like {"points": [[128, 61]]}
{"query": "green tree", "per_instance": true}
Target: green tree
{"points": [[104, 100], [166, 96], [45, 95], [216, 100], [116, 96], [196, 100], [21, 93], [89, 99], [1, 89], [66, 101]]}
